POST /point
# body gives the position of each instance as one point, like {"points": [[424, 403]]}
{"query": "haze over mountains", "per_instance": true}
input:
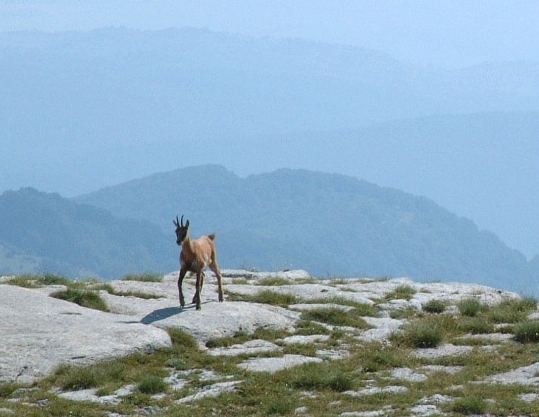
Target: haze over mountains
{"points": [[86, 110], [83, 110]]}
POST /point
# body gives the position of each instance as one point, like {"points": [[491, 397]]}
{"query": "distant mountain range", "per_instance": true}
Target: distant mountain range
{"points": [[331, 225], [44, 232]]}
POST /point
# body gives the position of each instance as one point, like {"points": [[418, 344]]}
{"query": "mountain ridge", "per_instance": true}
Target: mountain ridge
{"points": [[328, 216]]}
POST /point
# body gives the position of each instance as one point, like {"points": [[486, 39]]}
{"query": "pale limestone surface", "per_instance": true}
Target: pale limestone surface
{"points": [[38, 333]]}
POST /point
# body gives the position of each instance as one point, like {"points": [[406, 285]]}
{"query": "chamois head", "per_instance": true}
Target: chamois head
{"points": [[181, 230]]}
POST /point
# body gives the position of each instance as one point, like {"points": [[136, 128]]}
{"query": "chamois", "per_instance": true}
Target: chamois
{"points": [[195, 256]]}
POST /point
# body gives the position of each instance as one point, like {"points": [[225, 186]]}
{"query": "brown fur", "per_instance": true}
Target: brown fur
{"points": [[195, 256]]}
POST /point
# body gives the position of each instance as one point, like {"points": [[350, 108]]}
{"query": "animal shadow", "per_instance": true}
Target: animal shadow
{"points": [[161, 314]]}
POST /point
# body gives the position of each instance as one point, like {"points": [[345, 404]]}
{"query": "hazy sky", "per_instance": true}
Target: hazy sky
{"points": [[448, 33]]}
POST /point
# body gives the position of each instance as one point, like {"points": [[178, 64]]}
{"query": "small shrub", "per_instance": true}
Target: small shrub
{"points": [[469, 307], [182, 339], [321, 376], [422, 334], [475, 325], [152, 384], [527, 332], [469, 405], [84, 298], [434, 306], [404, 292]]}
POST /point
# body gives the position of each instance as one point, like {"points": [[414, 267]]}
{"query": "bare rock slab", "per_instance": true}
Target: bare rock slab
{"points": [[38, 333], [276, 364], [217, 320]]}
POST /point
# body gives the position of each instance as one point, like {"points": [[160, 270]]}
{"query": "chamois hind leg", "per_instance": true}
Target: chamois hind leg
{"points": [[183, 271], [215, 269]]}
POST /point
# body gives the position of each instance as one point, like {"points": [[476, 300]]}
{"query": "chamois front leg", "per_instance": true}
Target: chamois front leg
{"points": [[202, 276], [183, 271]]}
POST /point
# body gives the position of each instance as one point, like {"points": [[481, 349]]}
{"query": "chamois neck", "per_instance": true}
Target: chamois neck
{"points": [[186, 244]]}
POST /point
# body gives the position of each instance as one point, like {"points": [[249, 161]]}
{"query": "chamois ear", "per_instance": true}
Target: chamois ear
{"points": [[187, 224]]}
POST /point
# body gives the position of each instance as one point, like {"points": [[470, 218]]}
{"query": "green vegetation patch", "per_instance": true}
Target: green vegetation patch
{"points": [[70, 377], [404, 292], [143, 277], [275, 281], [39, 280], [434, 306], [420, 334], [475, 325], [320, 376], [336, 317], [470, 307], [512, 311], [362, 309], [527, 332], [469, 405], [152, 384], [267, 297], [84, 298]]}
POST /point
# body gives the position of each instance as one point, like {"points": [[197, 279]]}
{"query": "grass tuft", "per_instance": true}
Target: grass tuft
{"points": [[39, 280], [404, 292], [143, 277], [84, 298], [321, 376], [152, 384], [275, 281], [469, 307], [335, 317], [422, 334], [434, 306], [182, 339], [527, 332], [267, 297], [469, 406]]}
